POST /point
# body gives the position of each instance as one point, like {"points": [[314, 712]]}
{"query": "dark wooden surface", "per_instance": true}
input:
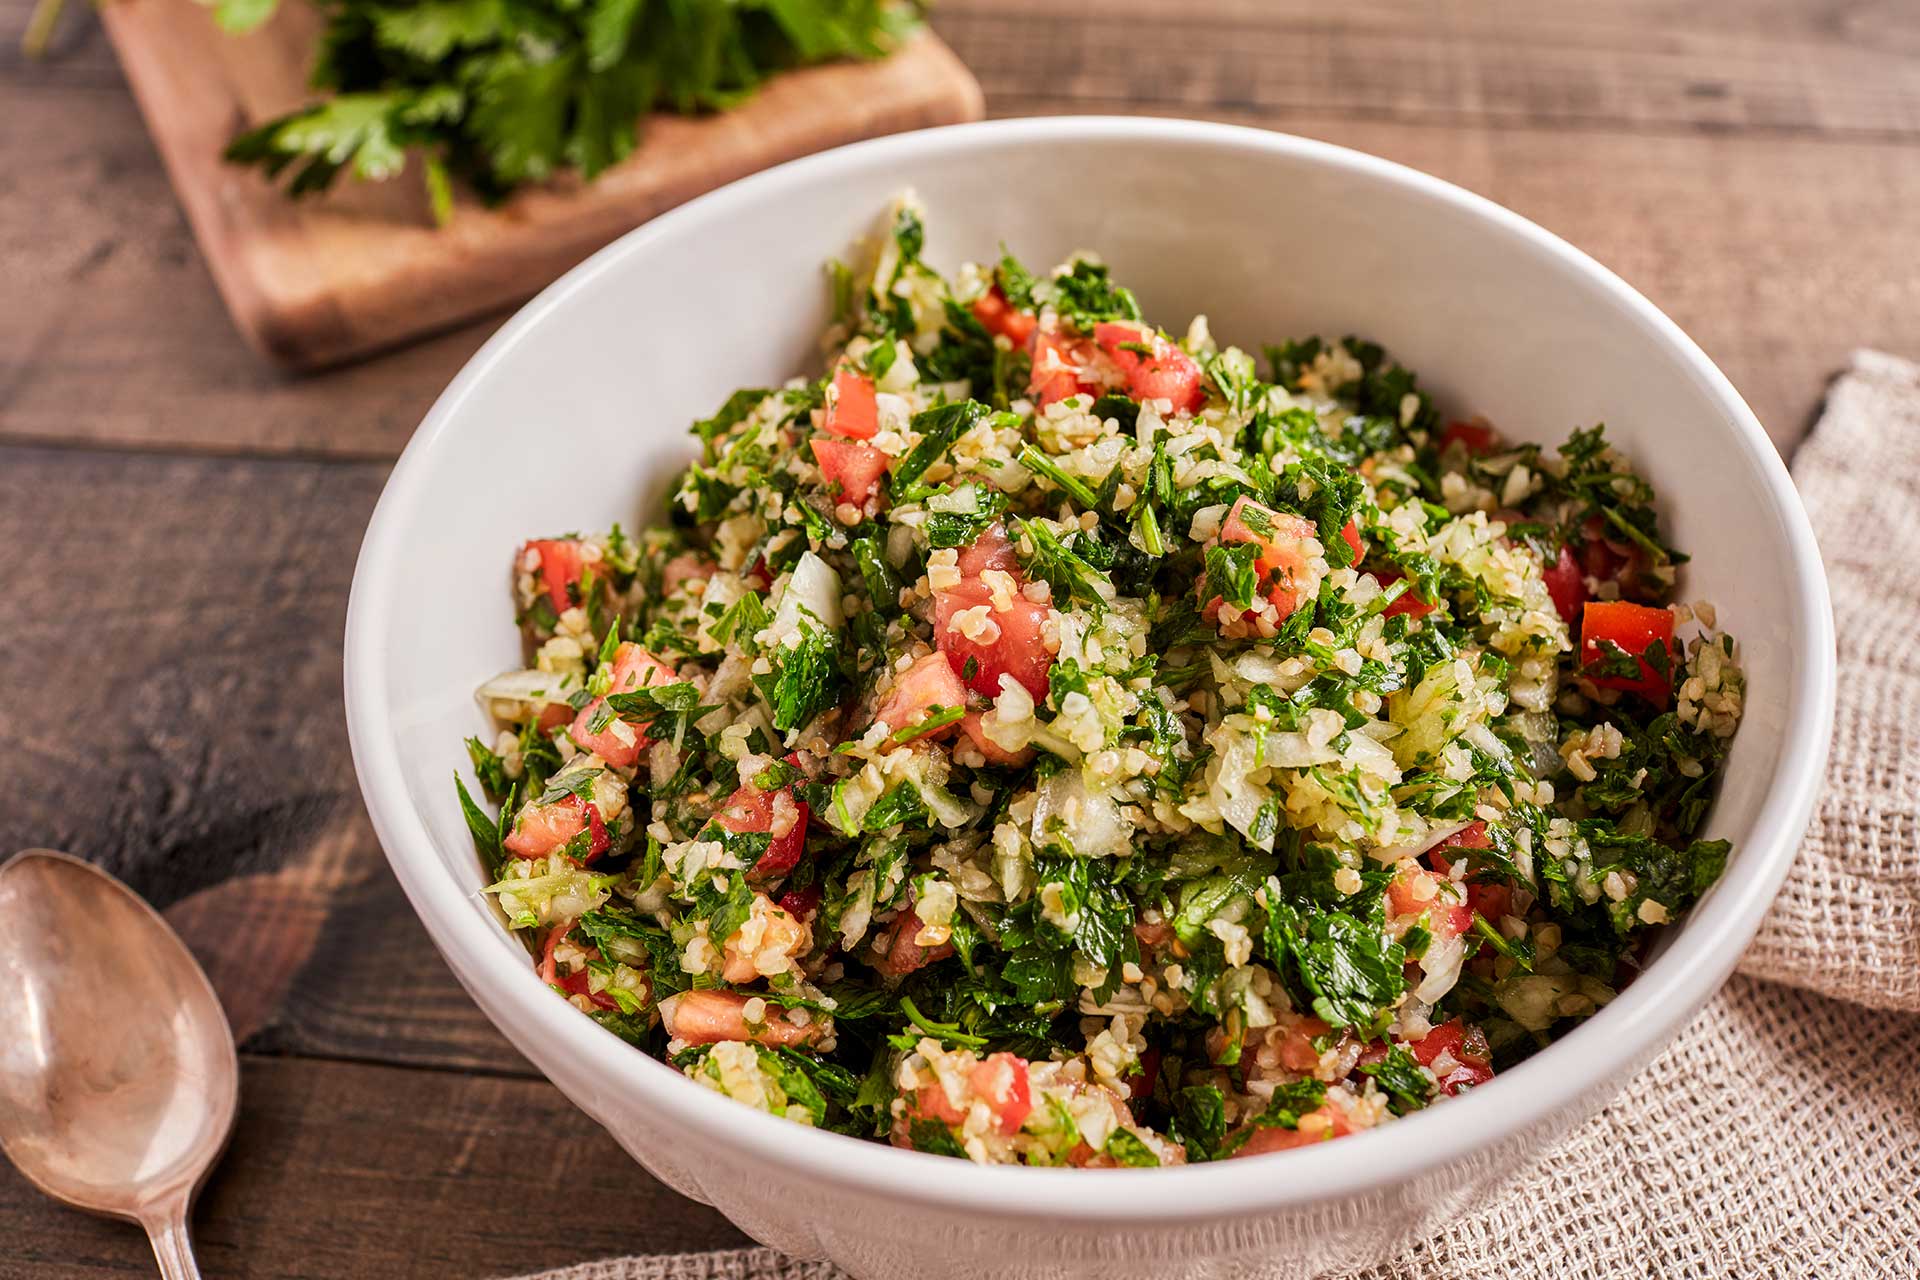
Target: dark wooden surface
{"points": [[314, 282], [181, 524]]}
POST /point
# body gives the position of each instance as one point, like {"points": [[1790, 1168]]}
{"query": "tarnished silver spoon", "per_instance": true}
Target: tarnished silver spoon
{"points": [[118, 1079]]}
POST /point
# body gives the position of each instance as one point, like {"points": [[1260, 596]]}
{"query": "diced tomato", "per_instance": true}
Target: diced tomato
{"points": [[801, 903], [1478, 436], [750, 810], [1567, 585], [1600, 561], [1156, 934], [1606, 558], [1466, 1045], [852, 409], [580, 984], [1415, 891], [1406, 602], [1634, 628], [710, 1015], [1140, 1083], [555, 714], [1280, 536], [545, 829], [855, 467], [1489, 900], [560, 570], [1351, 533], [548, 968], [1054, 376], [688, 566], [1323, 1124], [1297, 1052], [1001, 1081], [1001, 318], [617, 742], [574, 984], [1018, 650], [1164, 372], [930, 682], [598, 841], [903, 955], [1465, 1077], [991, 550], [972, 726], [1441, 1039], [1472, 836], [930, 1102]]}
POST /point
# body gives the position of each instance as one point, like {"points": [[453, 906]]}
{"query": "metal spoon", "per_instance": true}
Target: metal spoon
{"points": [[118, 1079]]}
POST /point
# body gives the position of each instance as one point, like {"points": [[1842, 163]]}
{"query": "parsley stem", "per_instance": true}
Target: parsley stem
{"points": [[939, 1030], [936, 718], [1501, 943], [1074, 487]]}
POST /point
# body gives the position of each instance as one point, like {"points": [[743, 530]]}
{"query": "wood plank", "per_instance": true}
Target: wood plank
{"points": [[351, 1170], [189, 737], [1803, 65], [1772, 65], [316, 281], [1779, 254], [125, 342]]}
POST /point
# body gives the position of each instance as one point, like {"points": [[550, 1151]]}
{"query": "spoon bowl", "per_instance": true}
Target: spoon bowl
{"points": [[118, 1077]]}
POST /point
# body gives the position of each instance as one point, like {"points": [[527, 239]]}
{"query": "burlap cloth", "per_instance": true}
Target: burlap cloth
{"points": [[1780, 1134]]}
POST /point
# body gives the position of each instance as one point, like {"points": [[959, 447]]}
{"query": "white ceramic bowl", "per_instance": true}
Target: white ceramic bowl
{"points": [[575, 414]]}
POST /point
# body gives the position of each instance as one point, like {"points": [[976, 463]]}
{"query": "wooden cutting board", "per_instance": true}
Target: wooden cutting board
{"points": [[325, 279]]}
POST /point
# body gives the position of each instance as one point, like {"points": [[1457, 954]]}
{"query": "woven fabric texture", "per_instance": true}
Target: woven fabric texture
{"points": [[1779, 1135], [1847, 923]]}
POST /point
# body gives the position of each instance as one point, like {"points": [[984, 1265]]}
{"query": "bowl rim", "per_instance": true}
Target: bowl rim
{"points": [[1636, 1024]]}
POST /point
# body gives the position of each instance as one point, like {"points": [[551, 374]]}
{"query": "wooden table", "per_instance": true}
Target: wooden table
{"points": [[182, 524]]}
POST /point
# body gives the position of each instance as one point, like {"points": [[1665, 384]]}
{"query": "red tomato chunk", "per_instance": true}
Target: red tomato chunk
{"points": [[855, 467], [852, 409], [751, 810], [1567, 585], [560, 570], [1056, 364], [1466, 1046], [1162, 372], [1282, 559], [1000, 318], [617, 742], [1634, 628]]}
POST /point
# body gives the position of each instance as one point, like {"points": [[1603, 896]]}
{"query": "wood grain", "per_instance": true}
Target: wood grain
{"points": [[317, 281], [1778, 66], [169, 690], [353, 1170], [1778, 248], [188, 735]]}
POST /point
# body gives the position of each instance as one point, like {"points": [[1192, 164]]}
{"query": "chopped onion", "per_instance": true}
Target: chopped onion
{"points": [[1089, 816], [533, 686], [1433, 837], [811, 586], [1441, 965]]}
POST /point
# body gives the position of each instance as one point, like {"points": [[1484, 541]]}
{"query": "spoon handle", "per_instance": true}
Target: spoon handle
{"points": [[167, 1230]]}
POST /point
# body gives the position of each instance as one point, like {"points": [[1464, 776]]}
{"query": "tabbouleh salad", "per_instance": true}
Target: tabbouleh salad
{"points": [[1046, 740]]}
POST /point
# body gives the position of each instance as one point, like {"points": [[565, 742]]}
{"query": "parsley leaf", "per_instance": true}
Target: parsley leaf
{"points": [[1400, 1074], [502, 94]]}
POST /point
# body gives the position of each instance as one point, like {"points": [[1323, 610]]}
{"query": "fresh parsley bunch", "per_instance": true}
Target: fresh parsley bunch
{"points": [[504, 92]]}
